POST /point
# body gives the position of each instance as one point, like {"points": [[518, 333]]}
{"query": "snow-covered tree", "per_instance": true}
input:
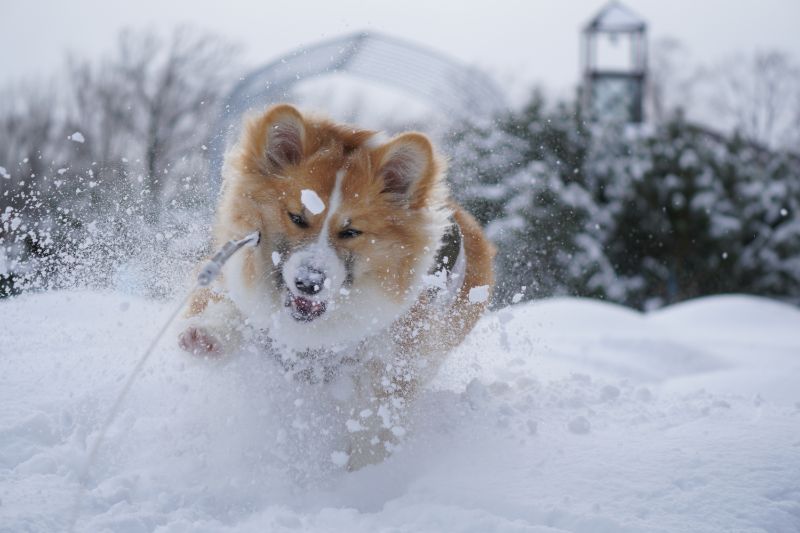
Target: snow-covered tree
{"points": [[702, 213], [641, 215], [523, 177], [120, 143]]}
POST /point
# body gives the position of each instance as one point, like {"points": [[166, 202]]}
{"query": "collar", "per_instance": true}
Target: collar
{"points": [[446, 276]]}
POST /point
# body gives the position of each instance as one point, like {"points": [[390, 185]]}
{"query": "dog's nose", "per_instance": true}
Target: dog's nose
{"points": [[309, 280]]}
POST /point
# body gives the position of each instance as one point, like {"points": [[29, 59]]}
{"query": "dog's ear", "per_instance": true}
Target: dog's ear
{"points": [[285, 134], [407, 168]]}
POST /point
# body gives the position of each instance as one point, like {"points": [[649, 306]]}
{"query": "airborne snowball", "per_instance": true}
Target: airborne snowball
{"points": [[77, 137], [339, 458], [312, 201], [354, 426], [479, 294]]}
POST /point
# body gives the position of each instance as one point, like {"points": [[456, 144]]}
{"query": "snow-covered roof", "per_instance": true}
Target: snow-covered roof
{"points": [[616, 17]]}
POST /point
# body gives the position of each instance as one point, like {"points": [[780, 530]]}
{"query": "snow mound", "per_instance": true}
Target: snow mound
{"points": [[733, 314], [560, 415]]}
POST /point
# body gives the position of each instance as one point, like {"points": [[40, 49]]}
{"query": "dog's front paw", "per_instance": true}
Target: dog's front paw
{"points": [[198, 341]]}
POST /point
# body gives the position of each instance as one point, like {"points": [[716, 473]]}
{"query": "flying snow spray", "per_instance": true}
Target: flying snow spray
{"points": [[207, 274]]}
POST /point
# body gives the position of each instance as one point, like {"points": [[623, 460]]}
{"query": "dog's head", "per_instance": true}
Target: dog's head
{"points": [[349, 226]]}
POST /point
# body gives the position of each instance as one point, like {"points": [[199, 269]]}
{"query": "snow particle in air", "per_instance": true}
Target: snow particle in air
{"points": [[312, 201], [77, 137], [339, 458], [276, 258], [353, 426], [479, 294]]}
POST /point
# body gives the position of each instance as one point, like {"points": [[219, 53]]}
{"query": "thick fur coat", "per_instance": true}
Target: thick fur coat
{"points": [[349, 278]]}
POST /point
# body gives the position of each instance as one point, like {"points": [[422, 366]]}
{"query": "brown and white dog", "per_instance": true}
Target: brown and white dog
{"points": [[365, 266]]}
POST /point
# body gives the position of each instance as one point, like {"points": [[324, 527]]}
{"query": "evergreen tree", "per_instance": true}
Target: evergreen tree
{"points": [[635, 215]]}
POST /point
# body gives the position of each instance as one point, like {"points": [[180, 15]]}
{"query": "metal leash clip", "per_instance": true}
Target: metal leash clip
{"points": [[211, 270]]}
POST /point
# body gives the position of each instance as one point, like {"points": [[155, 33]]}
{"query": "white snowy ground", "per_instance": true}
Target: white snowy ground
{"points": [[561, 415]]}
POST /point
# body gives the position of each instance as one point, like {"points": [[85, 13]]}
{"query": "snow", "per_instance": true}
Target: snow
{"points": [[339, 459], [438, 279], [312, 201], [4, 173], [558, 415], [478, 294], [77, 137]]}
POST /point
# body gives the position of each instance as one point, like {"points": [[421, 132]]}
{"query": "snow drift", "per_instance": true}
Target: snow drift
{"points": [[560, 415]]}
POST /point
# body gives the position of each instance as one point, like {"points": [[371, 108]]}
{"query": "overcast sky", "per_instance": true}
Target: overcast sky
{"points": [[518, 42]]}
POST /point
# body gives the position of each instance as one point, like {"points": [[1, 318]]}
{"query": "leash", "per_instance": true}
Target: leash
{"points": [[207, 274]]}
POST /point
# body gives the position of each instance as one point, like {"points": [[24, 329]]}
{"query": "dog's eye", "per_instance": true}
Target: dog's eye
{"points": [[298, 220], [349, 233]]}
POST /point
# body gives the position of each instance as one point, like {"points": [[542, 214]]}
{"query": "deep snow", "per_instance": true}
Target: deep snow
{"points": [[560, 415]]}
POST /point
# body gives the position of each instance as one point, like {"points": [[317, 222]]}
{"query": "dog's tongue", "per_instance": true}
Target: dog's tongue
{"points": [[308, 309]]}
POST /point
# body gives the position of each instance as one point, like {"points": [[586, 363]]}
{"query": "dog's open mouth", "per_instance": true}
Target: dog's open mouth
{"points": [[304, 309]]}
